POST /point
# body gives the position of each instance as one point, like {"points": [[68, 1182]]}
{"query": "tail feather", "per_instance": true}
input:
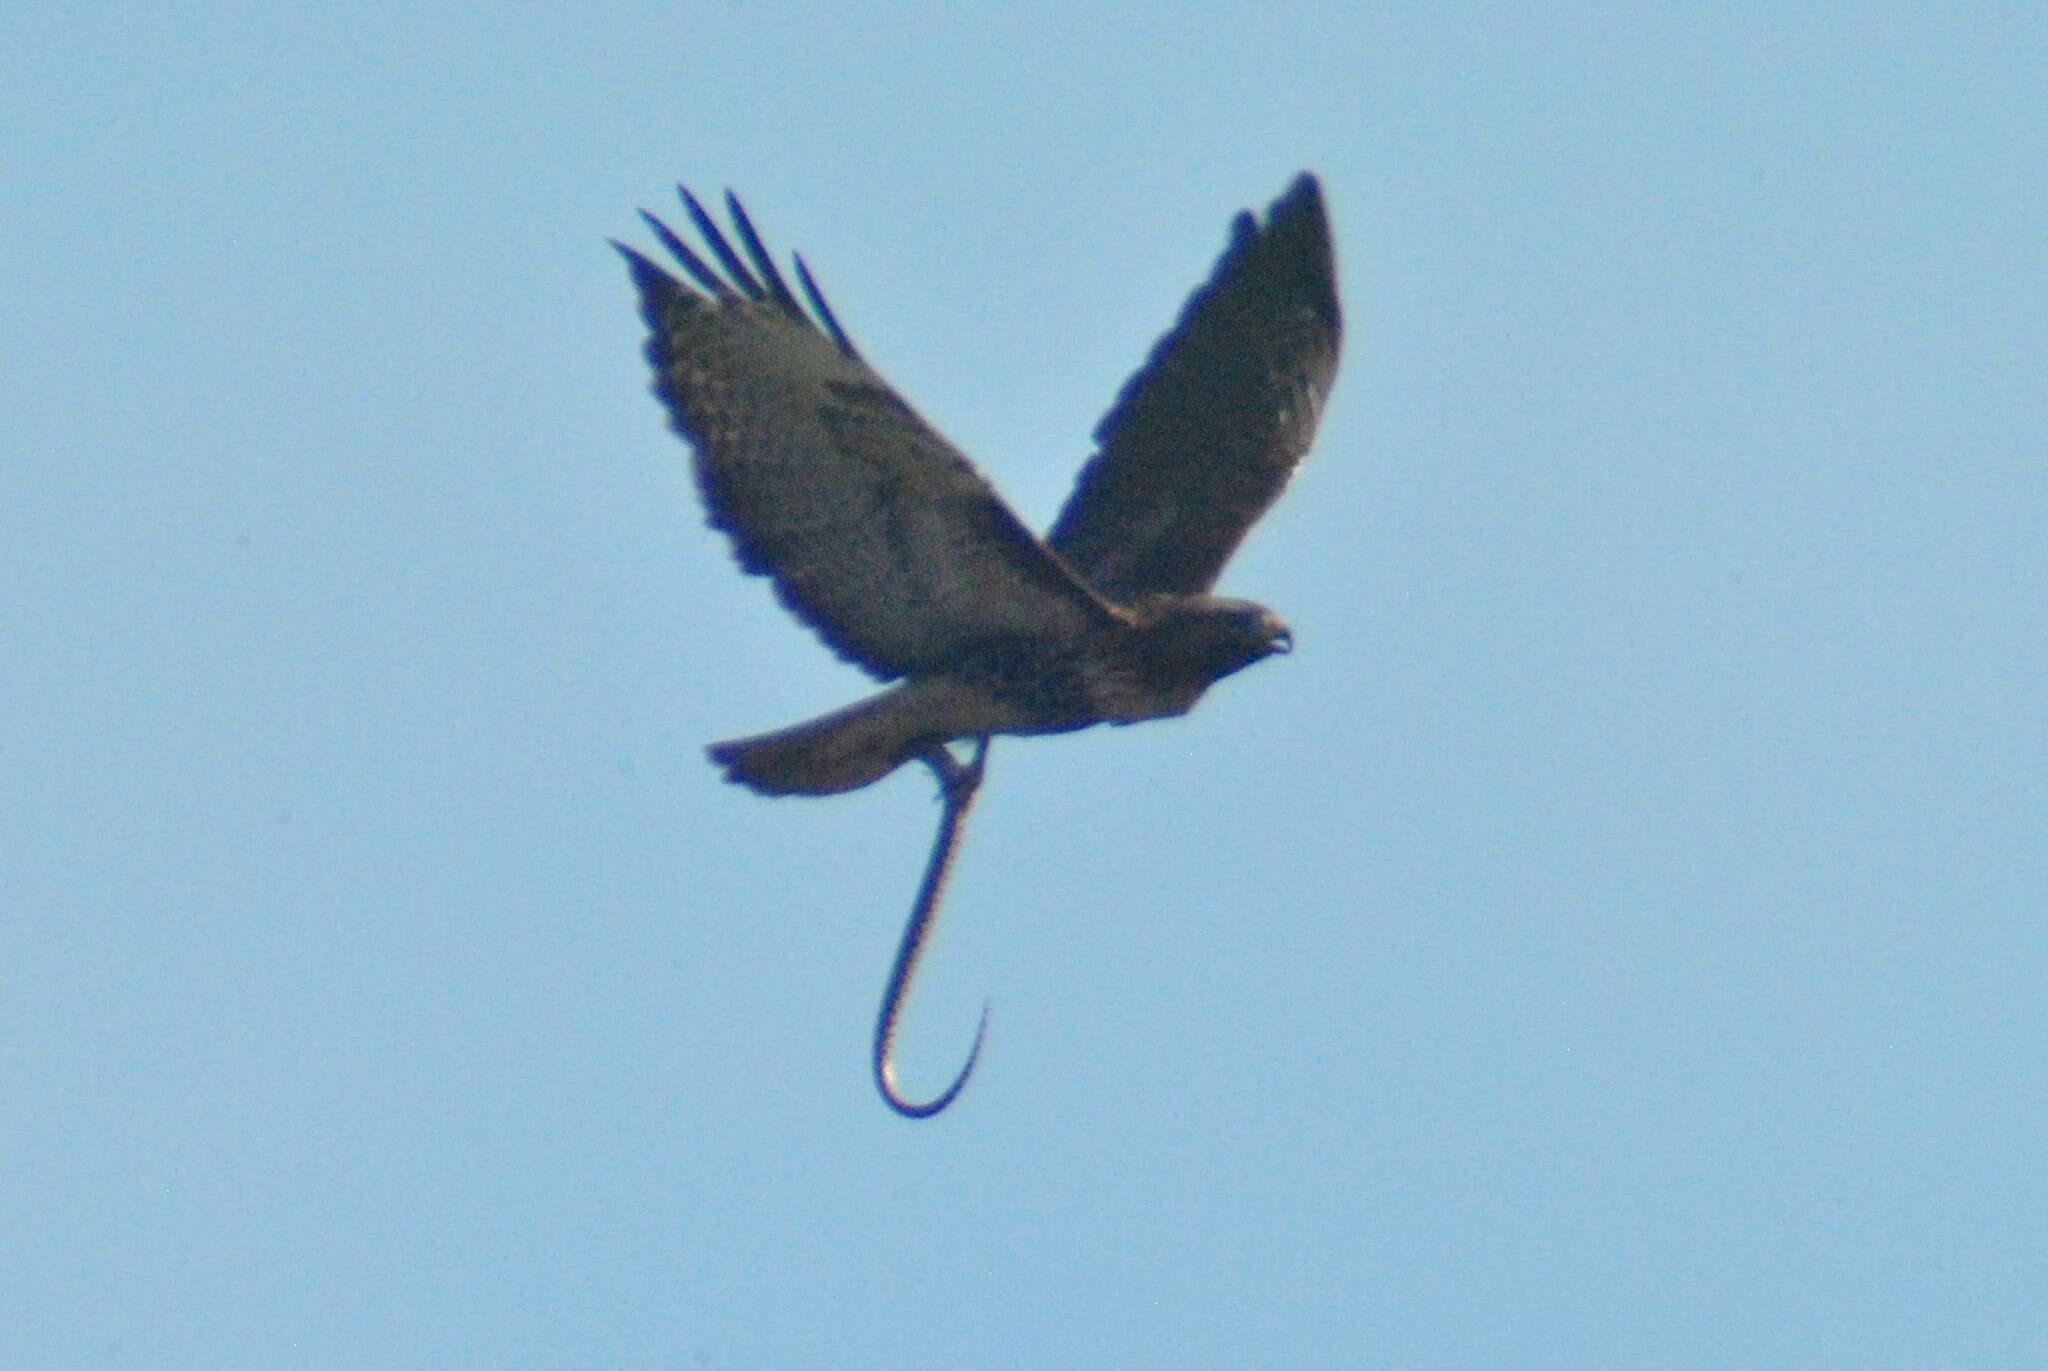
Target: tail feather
{"points": [[843, 750]]}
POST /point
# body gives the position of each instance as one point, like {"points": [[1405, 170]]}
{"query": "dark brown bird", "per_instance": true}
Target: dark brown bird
{"points": [[888, 542]]}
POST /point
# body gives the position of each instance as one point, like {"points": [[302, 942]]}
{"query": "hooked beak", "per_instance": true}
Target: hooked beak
{"points": [[1281, 642]]}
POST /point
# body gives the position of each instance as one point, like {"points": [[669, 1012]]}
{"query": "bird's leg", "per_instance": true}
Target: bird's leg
{"points": [[957, 780]]}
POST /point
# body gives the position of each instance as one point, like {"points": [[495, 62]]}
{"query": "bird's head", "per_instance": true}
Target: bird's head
{"points": [[1207, 637]]}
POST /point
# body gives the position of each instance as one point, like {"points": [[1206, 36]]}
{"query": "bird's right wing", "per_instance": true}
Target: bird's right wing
{"points": [[877, 532], [1204, 438]]}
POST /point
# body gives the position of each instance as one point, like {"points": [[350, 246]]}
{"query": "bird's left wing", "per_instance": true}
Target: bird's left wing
{"points": [[877, 532], [1204, 438]]}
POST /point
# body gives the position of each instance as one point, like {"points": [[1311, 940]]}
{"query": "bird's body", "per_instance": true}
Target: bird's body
{"points": [[1152, 664], [886, 540]]}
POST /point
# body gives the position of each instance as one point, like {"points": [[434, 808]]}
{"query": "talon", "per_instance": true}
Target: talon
{"points": [[957, 780]]}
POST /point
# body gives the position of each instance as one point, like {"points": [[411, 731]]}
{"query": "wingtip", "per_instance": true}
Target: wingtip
{"points": [[647, 274], [1304, 192], [1298, 226], [742, 279]]}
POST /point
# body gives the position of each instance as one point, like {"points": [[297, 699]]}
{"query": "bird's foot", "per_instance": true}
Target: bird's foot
{"points": [[957, 780]]}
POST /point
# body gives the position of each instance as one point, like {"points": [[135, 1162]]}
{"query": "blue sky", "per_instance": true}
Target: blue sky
{"points": [[1615, 937]]}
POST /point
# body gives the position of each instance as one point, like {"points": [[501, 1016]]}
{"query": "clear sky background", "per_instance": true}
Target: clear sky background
{"points": [[1615, 937]]}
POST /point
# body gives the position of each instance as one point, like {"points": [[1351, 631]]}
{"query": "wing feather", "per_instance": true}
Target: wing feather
{"points": [[1204, 437], [877, 532]]}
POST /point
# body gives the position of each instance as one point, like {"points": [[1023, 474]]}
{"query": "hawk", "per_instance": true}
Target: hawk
{"points": [[883, 538]]}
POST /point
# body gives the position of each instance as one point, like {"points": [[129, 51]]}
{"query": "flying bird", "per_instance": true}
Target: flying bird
{"points": [[883, 538]]}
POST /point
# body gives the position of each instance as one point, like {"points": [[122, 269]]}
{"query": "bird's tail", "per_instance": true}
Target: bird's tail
{"points": [[843, 750]]}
